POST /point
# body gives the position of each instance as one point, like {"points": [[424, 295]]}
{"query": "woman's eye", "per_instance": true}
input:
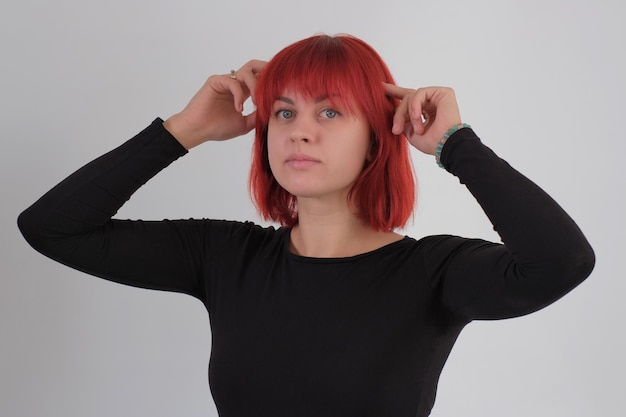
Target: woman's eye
{"points": [[284, 114], [330, 113]]}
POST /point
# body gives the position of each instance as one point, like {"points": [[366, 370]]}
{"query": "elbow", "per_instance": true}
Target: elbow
{"points": [[25, 224], [576, 266], [586, 261], [30, 225]]}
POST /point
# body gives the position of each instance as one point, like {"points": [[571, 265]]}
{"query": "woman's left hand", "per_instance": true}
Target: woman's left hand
{"points": [[424, 115]]}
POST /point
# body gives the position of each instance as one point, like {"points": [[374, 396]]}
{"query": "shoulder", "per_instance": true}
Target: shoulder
{"points": [[444, 244], [228, 235]]}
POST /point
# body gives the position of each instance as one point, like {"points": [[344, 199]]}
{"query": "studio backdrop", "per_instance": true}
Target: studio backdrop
{"points": [[541, 82]]}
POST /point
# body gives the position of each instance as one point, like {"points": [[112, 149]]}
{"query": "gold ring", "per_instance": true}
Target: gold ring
{"points": [[233, 74]]}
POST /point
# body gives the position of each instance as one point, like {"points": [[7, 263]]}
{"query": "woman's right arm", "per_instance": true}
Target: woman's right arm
{"points": [[72, 223]]}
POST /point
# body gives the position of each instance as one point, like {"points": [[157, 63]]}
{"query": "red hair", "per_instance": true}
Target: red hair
{"points": [[352, 72]]}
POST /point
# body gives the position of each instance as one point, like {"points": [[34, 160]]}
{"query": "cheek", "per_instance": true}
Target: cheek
{"points": [[363, 143]]}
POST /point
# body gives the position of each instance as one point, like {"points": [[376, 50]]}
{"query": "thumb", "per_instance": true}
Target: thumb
{"points": [[249, 121]]}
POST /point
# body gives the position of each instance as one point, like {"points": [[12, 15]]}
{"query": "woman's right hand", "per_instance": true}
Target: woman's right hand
{"points": [[216, 111]]}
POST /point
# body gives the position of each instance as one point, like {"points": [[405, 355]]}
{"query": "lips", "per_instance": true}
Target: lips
{"points": [[301, 161]]}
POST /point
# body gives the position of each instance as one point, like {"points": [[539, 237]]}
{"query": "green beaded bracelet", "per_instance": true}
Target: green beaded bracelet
{"points": [[443, 141]]}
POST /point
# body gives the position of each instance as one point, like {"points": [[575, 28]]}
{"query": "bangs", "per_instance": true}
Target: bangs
{"points": [[321, 67]]}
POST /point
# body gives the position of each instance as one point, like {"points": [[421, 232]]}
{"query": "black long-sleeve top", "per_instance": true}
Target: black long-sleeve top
{"points": [[366, 335]]}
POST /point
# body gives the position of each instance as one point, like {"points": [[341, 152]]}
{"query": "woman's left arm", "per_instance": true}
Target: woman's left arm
{"points": [[544, 255]]}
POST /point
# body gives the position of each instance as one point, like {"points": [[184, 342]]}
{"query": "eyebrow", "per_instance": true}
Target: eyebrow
{"points": [[290, 101]]}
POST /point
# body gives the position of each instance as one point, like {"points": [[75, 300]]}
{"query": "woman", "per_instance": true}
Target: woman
{"points": [[333, 313]]}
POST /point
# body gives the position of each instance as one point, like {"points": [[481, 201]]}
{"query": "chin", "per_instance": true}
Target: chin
{"points": [[310, 189], [302, 192]]}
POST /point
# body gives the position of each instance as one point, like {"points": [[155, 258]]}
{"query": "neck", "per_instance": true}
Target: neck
{"points": [[337, 232]]}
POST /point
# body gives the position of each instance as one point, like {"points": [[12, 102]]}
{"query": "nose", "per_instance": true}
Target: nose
{"points": [[303, 129]]}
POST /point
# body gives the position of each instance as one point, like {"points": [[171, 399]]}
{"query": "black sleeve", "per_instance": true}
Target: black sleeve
{"points": [[73, 224], [544, 254]]}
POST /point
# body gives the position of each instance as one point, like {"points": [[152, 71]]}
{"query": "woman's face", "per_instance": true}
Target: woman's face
{"points": [[315, 149]]}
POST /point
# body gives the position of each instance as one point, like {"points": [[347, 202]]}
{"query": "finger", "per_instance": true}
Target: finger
{"points": [[416, 111], [406, 114], [396, 91], [248, 81], [400, 117], [239, 92], [248, 74], [256, 65]]}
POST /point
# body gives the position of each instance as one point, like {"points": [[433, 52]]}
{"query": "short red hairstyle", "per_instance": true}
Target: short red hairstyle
{"points": [[350, 70]]}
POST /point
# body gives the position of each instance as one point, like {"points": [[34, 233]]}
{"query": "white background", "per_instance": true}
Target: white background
{"points": [[542, 83]]}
